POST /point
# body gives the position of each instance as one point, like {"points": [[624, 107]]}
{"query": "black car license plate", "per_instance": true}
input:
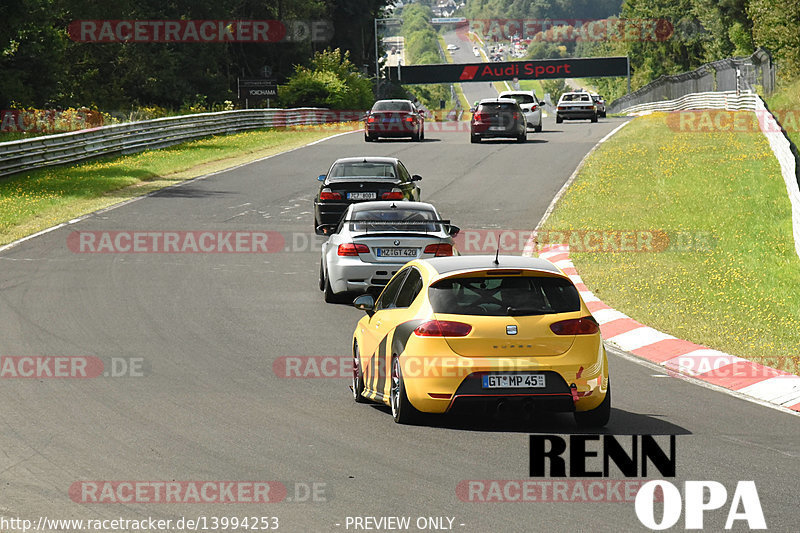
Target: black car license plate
{"points": [[361, 195]]}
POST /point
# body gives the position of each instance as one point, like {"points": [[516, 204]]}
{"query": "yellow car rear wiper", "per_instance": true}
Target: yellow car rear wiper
{"points": [[519, 311]]}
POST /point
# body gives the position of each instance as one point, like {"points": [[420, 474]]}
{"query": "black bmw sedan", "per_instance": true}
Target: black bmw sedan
{"points": [[360, 179]]}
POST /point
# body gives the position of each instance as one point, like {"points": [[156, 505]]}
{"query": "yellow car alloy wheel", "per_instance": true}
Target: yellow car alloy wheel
{"points": [[358, 378], [402, 410]]}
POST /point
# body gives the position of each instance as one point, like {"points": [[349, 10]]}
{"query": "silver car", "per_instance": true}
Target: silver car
{"points": [[530, 105], [600, 103], [576, 105], [375, 239]]}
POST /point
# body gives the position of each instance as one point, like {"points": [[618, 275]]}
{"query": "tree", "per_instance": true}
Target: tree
{"points": [[31, 54], [43, 67], [776, 26]]}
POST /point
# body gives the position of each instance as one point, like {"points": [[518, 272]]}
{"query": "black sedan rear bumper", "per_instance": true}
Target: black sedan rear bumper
{"points": [[328, 214]]}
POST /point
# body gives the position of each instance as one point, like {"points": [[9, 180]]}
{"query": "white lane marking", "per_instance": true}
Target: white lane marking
{"points": [[237, 215], [47, 230], [758, 445]]}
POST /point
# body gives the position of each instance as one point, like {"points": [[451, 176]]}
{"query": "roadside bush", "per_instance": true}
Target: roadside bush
{"points": [[331, 81]]}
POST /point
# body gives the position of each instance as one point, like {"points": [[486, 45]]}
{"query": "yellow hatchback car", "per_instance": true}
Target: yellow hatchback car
{"points": [[476, 332]]}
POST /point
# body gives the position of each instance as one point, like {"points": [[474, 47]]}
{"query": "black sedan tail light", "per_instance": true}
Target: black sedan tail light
{"points": [[327, 194]]}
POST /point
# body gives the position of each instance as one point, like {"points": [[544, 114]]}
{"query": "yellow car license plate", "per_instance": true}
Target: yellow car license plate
{"points": [[519, 381]]}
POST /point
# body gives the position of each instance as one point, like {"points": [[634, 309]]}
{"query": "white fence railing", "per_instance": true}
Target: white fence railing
{"points": [[778, 141], [18, 156], [782, 148]]}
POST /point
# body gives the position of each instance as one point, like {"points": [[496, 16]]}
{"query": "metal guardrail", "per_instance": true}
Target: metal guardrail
{"points": [[28, 154], [709, 100], [739, 74]]}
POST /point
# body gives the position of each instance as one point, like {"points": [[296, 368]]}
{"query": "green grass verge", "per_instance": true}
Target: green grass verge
{"points": [[532, 85], [8, 136], [785, 103], [740, 294], [445, 51], [35, 200], [501, 86], [465, 105]]}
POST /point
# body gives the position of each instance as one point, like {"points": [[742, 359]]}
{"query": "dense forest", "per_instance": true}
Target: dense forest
{"points": [[42, 66]]}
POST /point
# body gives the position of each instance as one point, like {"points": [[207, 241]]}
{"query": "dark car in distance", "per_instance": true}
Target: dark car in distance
{"points": [[394, 118], [360, 179], [498, 117]]}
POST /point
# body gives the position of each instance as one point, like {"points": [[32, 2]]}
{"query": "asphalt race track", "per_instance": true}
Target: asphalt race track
{"points": [[473, 91], [207, 328]]}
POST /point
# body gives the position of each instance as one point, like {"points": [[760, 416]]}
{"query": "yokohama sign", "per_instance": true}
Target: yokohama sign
{"points": [[524, 70]]}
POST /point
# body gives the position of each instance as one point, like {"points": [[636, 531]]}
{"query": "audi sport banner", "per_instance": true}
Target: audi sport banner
{"points": [[524, 70]]}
